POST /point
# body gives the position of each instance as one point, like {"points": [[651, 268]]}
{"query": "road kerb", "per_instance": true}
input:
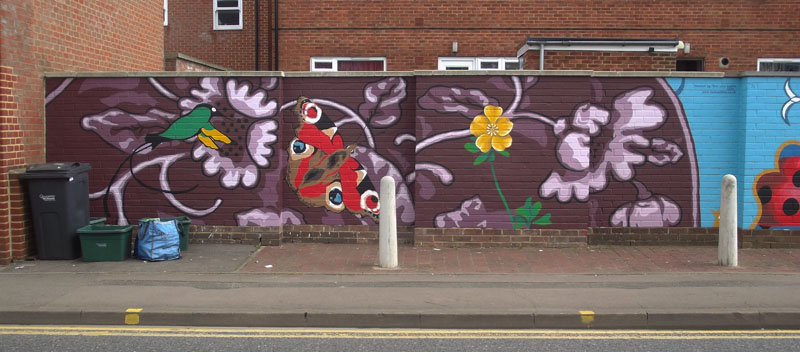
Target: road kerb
{"points": [[544, 320], [588, 319], [704, 320], [476, 321]]}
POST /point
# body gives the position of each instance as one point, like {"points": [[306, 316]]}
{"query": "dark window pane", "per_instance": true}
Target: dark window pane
{"points": [[490, 65], [227, 3], [689, 65], [512, 65], [456, 68], [360, 65], [228, 17], [779, 66], [323, 65]]}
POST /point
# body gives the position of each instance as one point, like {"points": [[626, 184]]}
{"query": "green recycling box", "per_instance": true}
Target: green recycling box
{"points": [[183, 230], [101, 243], [97, 221]]}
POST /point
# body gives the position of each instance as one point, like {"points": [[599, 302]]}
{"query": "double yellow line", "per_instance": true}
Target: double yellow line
{"points": [[319, 333]]}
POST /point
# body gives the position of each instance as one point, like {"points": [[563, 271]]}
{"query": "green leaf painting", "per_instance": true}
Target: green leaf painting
{"points": [[480, 159], [527, 215], [496, 143]]}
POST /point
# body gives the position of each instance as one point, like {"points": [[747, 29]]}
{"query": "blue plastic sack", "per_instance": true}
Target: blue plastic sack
{"points": [[158, 240]]}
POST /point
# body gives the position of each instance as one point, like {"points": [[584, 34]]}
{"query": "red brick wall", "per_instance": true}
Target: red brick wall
{"points": [[47, 36], [190, 31], [412, 34], [184, 64], [10, 139], [57, 36], [601, 61], [188, 66]]}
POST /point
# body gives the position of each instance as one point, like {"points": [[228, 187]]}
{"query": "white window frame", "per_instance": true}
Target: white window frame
{"points": [[334, 60], [219, 27], [166, 13], [778, 60], [453, 62], [474, 63]]}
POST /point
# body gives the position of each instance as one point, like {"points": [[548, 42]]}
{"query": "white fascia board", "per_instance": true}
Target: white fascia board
{"points": [[596, 47], [599, 47], [524, 49]]}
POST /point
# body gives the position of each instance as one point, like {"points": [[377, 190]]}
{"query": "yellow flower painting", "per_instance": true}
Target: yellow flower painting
{"points": [[492, 129]]}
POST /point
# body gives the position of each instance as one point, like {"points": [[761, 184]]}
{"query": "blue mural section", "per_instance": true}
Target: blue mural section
{"points": [[712, 109], [748, 127], [769, 130]]}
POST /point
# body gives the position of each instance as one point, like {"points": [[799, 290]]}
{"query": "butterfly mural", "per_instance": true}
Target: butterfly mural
{"points": [[321, 169]]}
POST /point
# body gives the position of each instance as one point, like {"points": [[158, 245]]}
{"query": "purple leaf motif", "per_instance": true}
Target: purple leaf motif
{"points": [[382, 100], [124, 130], [664, 152], [377, 167], [472, 213], [582, 174], [269, 216], [467, 102], [253, 103], [656, 211]]}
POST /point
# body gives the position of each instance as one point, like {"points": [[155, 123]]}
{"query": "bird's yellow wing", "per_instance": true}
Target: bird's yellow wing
{"points": [[216, 135], [207, 141]]}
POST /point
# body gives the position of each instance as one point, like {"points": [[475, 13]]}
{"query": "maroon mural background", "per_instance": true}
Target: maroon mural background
{"points": [[582, 151]]}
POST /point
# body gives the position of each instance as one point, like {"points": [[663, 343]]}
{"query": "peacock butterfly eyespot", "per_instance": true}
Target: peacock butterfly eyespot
{"points": [[322, 171], [311, 112]]}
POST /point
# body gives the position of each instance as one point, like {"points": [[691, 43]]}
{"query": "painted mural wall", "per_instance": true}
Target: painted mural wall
{"points": [[465, 151], [746, 127]]}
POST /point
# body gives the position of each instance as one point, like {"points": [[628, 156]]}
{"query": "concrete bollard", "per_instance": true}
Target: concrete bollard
{"points": [[727, 251], [387, 239]]}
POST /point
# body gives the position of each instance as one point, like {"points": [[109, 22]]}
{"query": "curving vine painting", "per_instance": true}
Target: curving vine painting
{"points": [[488, 151]]}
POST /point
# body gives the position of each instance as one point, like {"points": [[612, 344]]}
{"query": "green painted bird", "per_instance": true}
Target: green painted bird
{"points": [[195, 123]]}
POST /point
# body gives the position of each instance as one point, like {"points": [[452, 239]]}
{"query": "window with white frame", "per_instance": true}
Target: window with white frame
{"points": [[334, 64], [478, 63], [779, 65], [166, 3], [227, 14]]}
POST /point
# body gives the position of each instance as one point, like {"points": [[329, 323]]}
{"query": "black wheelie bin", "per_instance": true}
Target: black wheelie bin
{"points": [[59, 199]]}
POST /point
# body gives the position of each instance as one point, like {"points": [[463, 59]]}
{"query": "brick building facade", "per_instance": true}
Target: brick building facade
{"points": [[271, 35], [58, 36], [727, 36]]}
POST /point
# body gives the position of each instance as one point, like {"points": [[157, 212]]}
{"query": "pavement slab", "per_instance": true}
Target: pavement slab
{"points": [[213, 258], [333, 258], [323, 285]]}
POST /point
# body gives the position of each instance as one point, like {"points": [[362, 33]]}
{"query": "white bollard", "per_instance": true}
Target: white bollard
{"points": [[727, 252], [387, 239]]}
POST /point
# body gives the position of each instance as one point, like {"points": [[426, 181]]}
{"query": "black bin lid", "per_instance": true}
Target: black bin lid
{"points": [[54, 170]]}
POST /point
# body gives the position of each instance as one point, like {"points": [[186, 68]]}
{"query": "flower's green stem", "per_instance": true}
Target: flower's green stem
{"points": [[503, 198]]}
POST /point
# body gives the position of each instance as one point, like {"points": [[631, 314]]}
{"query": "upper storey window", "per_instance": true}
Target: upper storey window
{"points": [[779, 65], [227, 14], [478, 63], [334, 64]]}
